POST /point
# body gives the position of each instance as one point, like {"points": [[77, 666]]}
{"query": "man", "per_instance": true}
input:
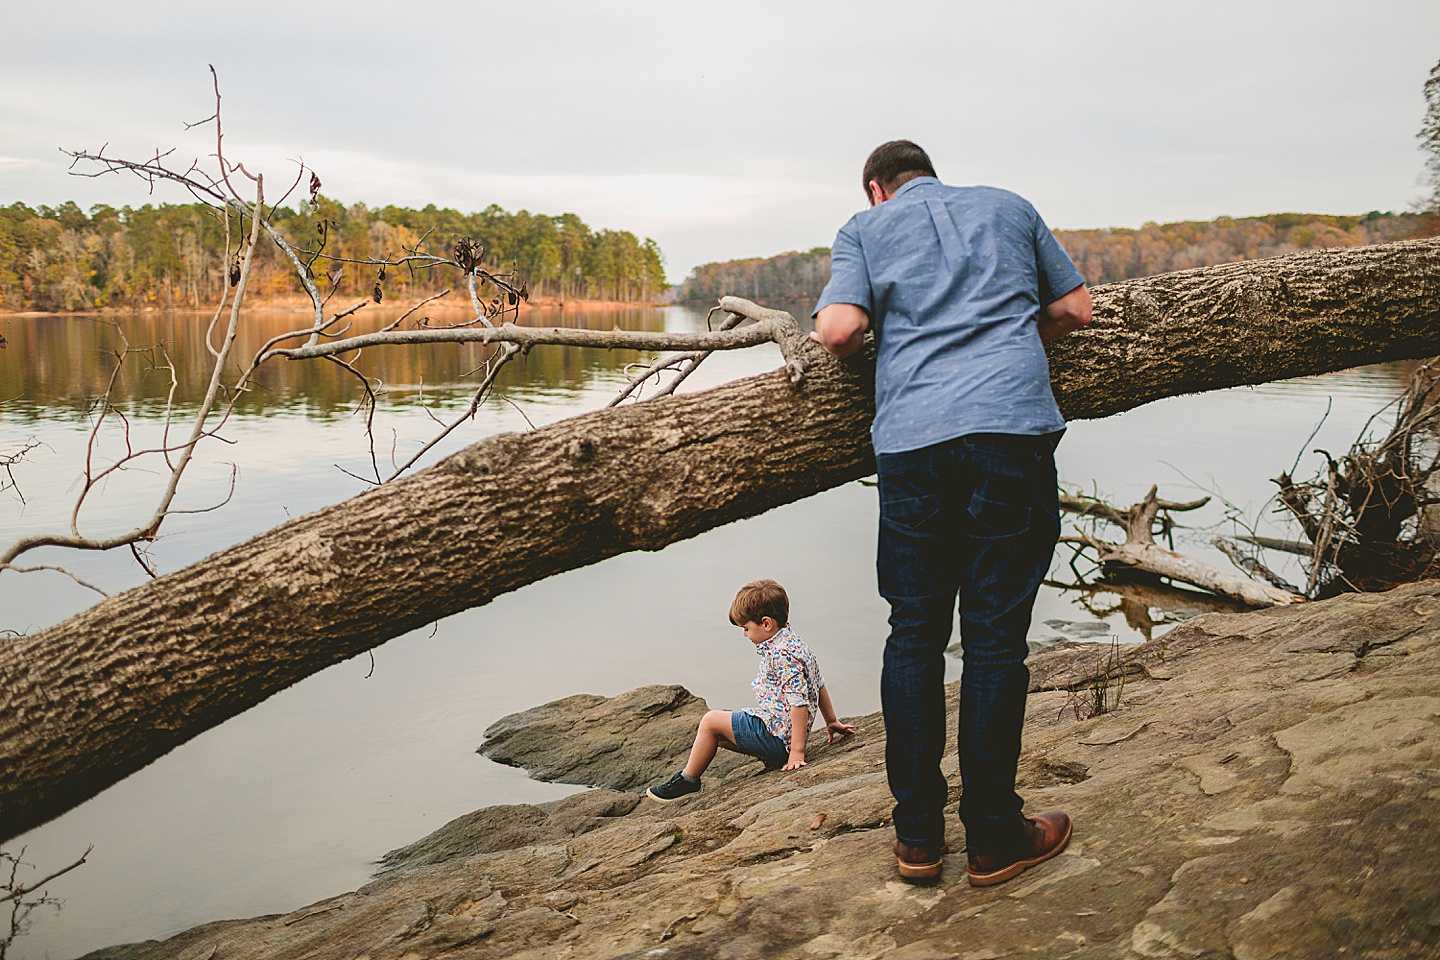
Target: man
{"points": [[962, 286]]}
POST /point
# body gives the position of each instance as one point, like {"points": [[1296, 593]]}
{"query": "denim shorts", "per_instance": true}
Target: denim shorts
{"points": [[755, 739]]}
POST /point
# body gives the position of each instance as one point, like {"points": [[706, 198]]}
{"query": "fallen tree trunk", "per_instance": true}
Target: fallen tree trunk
{"points": [[92, 699]]}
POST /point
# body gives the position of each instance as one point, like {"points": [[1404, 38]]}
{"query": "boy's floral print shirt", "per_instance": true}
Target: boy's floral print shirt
{"points": [[788, 677]]}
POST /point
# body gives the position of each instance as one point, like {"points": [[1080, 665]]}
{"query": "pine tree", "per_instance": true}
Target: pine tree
{"points": [[1430, 141]]}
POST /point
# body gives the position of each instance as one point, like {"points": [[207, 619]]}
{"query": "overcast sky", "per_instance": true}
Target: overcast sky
{"points": [[738, 128]]}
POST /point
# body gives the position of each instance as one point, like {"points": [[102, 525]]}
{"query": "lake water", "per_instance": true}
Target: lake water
{"points": [[294, 800]]}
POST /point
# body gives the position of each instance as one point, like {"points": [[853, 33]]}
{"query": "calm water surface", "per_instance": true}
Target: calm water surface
{"points": [[295, 800]]}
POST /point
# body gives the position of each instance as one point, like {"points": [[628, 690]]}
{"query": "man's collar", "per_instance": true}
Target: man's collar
{"points": [[911, 183]]}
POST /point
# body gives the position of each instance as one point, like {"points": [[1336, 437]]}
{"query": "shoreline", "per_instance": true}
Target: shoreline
{"points": [[304, 303]]}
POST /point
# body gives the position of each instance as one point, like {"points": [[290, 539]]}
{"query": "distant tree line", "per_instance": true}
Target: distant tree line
{"points": [[1111, 254], [788, 276], [174, 254], [1103, 255]]}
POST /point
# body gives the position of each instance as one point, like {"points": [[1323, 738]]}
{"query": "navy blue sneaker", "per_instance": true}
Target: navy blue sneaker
{"points": [[673, 789]]}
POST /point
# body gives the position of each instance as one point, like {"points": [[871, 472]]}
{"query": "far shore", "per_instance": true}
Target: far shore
{"points": [[303, 303]]}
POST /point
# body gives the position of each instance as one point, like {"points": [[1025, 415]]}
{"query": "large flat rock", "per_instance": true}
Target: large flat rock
{"points": [[1267, 787], [623, 743]]}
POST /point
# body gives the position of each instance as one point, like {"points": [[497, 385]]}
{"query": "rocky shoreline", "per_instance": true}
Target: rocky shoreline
{"points": [[1266, 788]]}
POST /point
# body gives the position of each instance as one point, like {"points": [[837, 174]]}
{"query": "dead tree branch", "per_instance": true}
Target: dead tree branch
{"points": [[15, 894], [199, 429], [1372, 517], [8, 459], [683, 364], [15, 891], [1251, 564], [1140, 552]]}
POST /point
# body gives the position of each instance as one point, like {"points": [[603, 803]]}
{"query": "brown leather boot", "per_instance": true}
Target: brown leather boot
{"points": [[919, 863], [1046, 835]]}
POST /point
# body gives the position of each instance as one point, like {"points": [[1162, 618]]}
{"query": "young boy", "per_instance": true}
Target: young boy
{"points": [[788, 692]]}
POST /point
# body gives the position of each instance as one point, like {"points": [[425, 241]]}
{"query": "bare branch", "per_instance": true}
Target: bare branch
{"points": [[527, 337], [406, 315], [694, 359], [506, 352], [9, 459], [199, 429], [368, 404], [15, 892], [45, 566], [143, 559], [1284, 546], [1251, 565]]}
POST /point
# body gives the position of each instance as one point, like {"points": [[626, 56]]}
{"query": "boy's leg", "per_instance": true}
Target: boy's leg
{"points": [[715, 731]]}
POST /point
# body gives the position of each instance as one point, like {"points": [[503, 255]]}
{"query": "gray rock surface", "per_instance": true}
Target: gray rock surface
{"points": [[1268, 787], [621, 743]]}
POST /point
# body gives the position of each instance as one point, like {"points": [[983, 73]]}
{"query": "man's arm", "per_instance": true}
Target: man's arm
{"points": [[840, 328], [841, 323], [1062, 316]]}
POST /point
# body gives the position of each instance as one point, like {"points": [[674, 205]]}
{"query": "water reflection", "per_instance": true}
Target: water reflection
{"points": [[1147, 607], [62, 362]]}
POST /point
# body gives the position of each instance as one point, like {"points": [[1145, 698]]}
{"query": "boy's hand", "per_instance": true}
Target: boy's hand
{"points": [[797, 760], [834, 727]]}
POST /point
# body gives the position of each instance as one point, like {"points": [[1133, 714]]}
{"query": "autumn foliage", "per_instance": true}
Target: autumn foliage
{"points": [[1103, 255], [174, 254]]}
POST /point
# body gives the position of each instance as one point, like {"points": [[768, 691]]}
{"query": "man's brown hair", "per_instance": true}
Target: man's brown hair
{"points": [[894, 164], [758, 600]]}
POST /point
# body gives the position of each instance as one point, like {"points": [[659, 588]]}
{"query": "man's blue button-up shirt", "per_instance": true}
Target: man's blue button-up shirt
{"points": [[953, 279]]}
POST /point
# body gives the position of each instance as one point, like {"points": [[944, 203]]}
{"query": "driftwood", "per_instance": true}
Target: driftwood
{"points": [[1141, 552], [92, 699], [1372, 518]]}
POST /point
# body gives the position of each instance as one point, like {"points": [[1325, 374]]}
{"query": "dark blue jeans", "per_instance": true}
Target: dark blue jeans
{"points": [[975, 517]]}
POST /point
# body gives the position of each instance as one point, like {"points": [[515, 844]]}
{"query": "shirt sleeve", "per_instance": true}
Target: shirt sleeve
{"points": [[793, 688], [1058, 275], [849, 277]]}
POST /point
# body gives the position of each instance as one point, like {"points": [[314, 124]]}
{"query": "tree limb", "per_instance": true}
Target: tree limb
{"points": [[92, 699]]}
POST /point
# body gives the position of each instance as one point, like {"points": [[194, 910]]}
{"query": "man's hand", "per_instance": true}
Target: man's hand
{"points": [[834, 727], [796, 761], [840, 329]]}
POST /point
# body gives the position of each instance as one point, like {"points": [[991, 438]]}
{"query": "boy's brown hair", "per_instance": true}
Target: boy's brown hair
{"points": [[760, 599]]}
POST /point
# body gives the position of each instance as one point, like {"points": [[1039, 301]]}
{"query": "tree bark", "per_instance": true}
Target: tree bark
{"points": [[92, 699]]}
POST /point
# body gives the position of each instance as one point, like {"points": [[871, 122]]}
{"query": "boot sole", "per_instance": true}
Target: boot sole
{"points": [[922, 871], [1018, 867], [918, 871]]}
